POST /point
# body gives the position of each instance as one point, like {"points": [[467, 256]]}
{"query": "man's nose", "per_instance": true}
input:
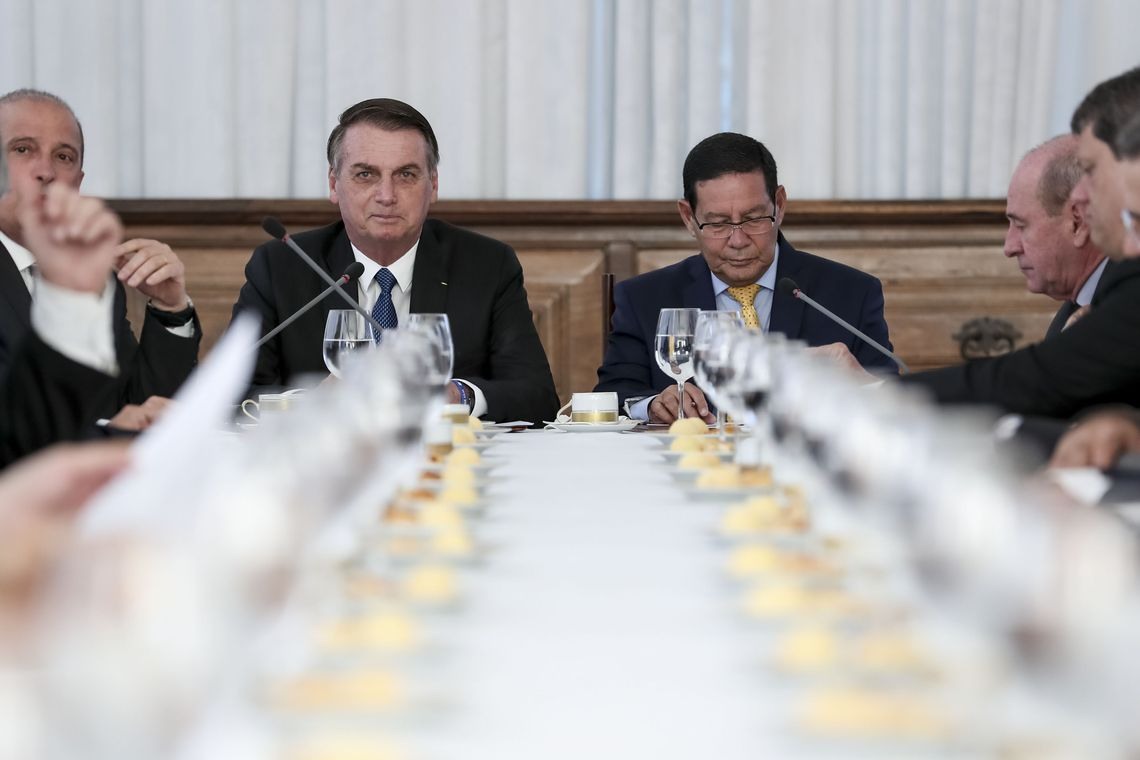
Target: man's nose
{"points": [[44, 170], [738, 238], [1012, 245], [385, 190]]}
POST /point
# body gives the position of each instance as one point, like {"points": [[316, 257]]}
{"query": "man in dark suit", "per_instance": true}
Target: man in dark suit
{"points": [[1048, 234], [1096, 361], [43, 143], [382, 157], [734, 207], [57, 380]]}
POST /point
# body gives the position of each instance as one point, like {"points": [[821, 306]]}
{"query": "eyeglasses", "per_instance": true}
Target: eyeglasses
{"points": [[757, 225], [1131, 224]]}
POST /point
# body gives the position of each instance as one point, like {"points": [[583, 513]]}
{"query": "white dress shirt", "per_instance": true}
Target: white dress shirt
{"points": [[78, 325], [402, 269], [1085, 294]]}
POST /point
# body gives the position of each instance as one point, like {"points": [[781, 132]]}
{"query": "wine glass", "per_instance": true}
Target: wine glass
{"points": [[437, 329], [674, 348], [711, 354], [346, 331]]}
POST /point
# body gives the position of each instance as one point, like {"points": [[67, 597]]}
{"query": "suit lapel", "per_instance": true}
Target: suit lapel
{"points": [[697, 291], [430, 274], [15, 302], [339, 255], [13, 291], [787, 312]]}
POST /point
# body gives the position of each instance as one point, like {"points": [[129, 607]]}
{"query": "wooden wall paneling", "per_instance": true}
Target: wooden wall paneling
{"points": [[570, 280], [940, 262]]}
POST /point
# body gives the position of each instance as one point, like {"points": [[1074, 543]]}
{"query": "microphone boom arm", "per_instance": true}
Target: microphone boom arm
{"points": [[797, 293]]}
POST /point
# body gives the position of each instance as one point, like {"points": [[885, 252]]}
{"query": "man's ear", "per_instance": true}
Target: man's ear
{"points": [[1077, 224], [781, 203], [686, 212]]}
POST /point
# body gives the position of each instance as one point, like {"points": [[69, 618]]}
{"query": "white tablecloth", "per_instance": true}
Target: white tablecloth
{"points": [[601, 625]]}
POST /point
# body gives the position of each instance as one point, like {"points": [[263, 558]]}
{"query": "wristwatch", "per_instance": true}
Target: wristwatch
{"points": [[172, 318]]}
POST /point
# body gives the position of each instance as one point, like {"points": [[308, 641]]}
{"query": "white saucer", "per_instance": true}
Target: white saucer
{"points": [[620, 426]]}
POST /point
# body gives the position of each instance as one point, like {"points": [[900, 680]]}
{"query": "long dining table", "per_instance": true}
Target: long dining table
{"points": [[600, 624]]}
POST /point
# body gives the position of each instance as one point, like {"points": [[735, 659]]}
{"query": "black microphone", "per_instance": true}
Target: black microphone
{"points": [[276, 229], [788, 286], [354, 270]]}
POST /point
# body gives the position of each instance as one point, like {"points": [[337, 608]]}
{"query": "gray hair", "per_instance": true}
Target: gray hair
{"points": [[1060, 175], [26, 93]]}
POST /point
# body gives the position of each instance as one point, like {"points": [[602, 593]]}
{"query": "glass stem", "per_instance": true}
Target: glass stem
{"points": [[680, 399]]}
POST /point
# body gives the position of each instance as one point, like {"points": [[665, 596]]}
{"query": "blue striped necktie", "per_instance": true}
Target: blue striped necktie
{"points": [[384, 311]]}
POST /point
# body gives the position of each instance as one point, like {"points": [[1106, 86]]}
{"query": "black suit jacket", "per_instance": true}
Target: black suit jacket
{"points": [[155, 365], [1096, 361], [629, 367], [476, 281], [46, 398], [1068, 307]]}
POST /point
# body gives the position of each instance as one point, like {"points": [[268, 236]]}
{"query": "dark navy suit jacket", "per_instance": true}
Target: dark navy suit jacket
{"points": [[630, 369]]}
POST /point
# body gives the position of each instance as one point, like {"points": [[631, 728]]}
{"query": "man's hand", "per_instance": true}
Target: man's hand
{"points": [[841, 356], [38, 499], [1097, 442], [139, 418], [74, 238], [154, 270], [55, 482], [663, 407]]}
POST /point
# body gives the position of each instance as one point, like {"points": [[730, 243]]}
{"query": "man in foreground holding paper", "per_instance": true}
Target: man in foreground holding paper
{"points": [[43, 145]]}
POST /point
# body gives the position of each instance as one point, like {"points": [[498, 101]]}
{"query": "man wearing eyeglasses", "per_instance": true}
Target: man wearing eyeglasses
{"points": [[733, 207]]}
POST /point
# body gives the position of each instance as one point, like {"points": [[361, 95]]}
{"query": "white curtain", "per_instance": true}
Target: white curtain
{"points": [[568, 98]]}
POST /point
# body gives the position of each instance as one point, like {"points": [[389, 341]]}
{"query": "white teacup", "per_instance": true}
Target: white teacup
{"points": [[270, 403], [457, 413], [594, 407]]}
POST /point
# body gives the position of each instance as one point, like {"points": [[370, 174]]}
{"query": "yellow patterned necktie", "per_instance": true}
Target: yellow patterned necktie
{"points": [[745, 295]]}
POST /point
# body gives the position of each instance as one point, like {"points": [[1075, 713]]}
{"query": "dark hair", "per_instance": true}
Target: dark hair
{"points": [[385, 113], [1108, 106], [1127, 144], [727, 153], [26, 93]]}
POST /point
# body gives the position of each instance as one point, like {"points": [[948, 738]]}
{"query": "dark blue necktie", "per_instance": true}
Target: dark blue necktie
{"points": [[384, 311]]}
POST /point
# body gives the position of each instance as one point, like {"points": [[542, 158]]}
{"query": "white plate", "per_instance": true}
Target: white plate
{"points": [[594, 427], [725, 494], [672, 457]]}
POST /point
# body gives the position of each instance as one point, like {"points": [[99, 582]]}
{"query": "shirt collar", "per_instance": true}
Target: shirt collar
{"points": [[1085, 294], [402, 268], [22, 257], [766, 281]]}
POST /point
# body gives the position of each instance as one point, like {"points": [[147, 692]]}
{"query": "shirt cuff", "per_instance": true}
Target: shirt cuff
{"points": [[639, 408], [184, 330], [78, 325], [480, 407]]}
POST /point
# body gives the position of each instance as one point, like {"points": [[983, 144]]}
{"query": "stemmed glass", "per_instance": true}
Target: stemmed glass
{"points": [[711, 346], [674, 348], [437, 330], [345, 331]]}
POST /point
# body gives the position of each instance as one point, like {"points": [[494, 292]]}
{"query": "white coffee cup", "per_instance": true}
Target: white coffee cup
{"points": [[457, 413], [271, 403], [594, 407]]}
